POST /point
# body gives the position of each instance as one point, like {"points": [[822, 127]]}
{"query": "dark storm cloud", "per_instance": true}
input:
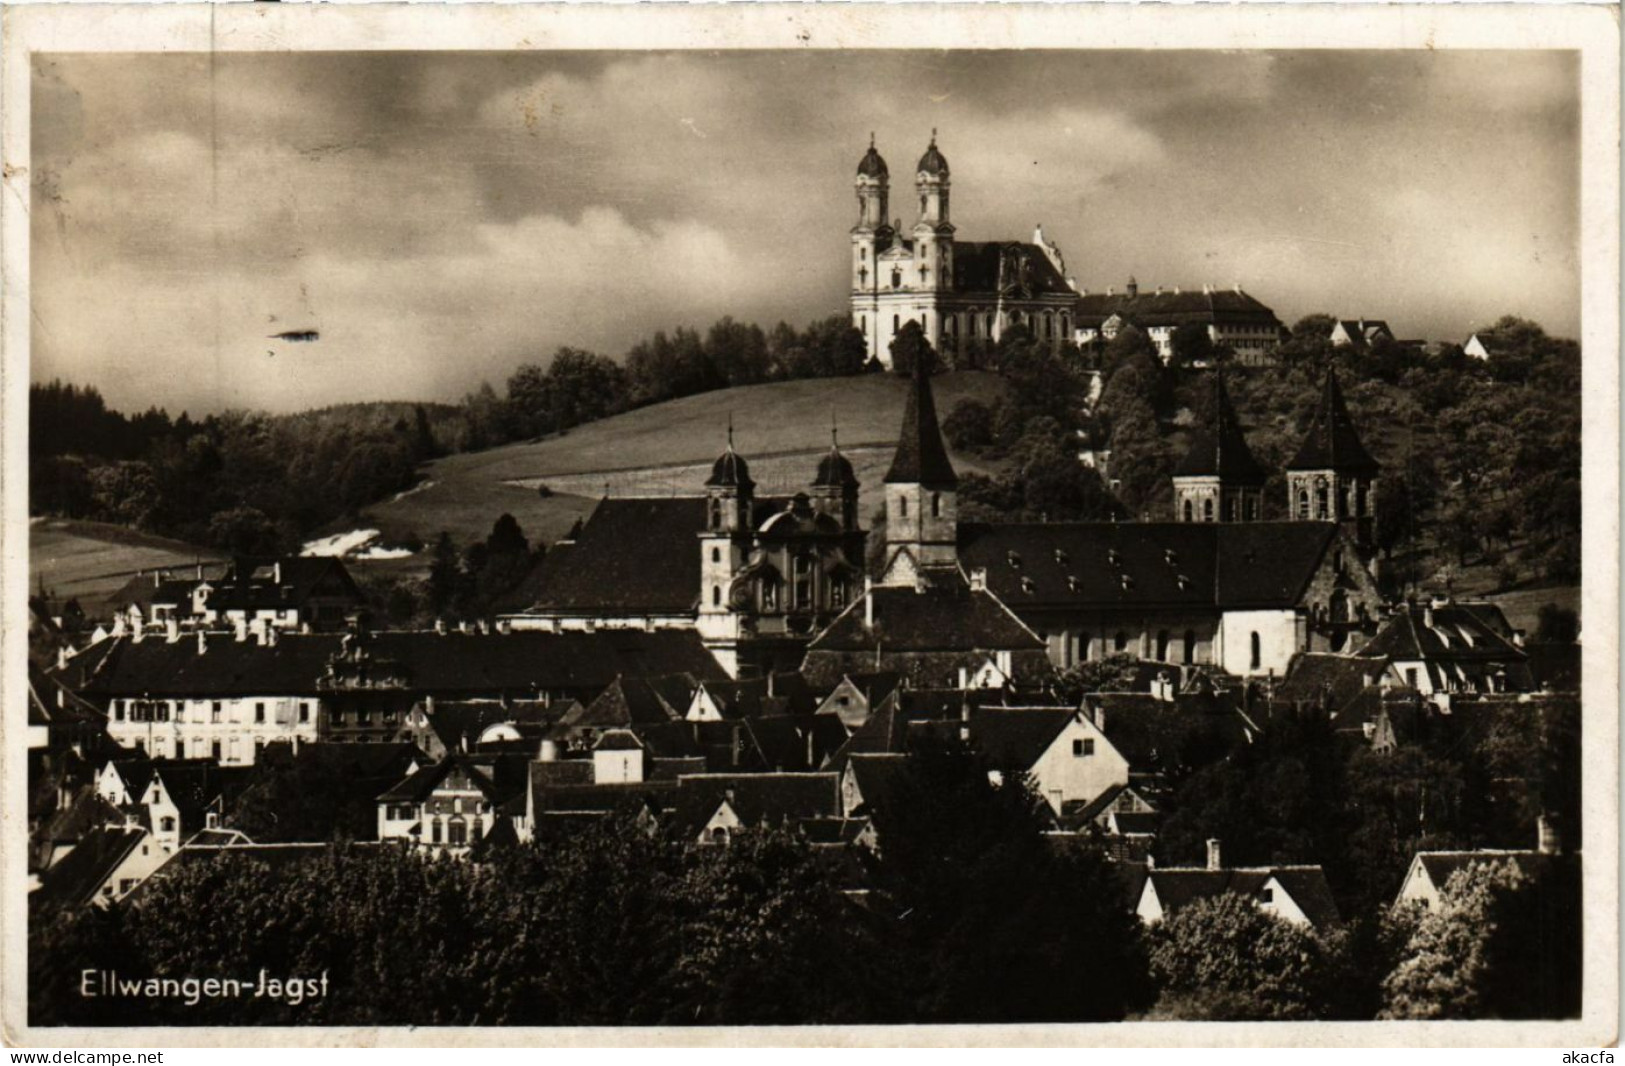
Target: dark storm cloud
{"points": [[441, 217]]}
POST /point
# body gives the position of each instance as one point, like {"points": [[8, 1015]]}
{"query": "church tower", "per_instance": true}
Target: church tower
{"points": [[724, 550], [1218, 480], [922, 528], [1333, 478], [933, 237], [835, 489], [872, 235]]}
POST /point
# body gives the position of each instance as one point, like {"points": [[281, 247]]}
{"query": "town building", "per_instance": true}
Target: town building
{"points": [[448, 806], [963, 294], [1297, 894], [1360, 334], [1233, 318], [1333, 478]]}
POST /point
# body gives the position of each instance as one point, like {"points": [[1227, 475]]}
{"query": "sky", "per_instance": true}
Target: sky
{"points": [[441, 218]]}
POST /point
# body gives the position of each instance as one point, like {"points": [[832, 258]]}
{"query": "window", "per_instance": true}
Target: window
{"points": [[214, 711], [1230, 508], [434, 831], [1252, 508], [1207, 509], [863, 324], [902, 507], [719, 835], [716, 555], [259, 712], [770, 595], [118, 710], [1083, 748], [1190, 646], [1410, 676], [716, 514], [180, 748], [716, 595], [896, 321], [837, 594], [801, 568], [457, 832], [1303, 504], [166, 824], [1119, 641], [936, 505], [1266, 895], [125, 884], [215, 750], [1322, 505], [1163, 640], [457, 805], [1190, 511], [304, 710], [1257, 651]]}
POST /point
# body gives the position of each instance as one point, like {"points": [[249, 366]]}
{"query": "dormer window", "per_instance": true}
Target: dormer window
{"points": [[1060, 556], [1013, 558], [1183, 582], [1128, 582], [1073, 583], [1028, 585], [1113, 558], [1171, 557]]}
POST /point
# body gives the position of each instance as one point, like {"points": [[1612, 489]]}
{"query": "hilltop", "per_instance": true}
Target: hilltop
{"points": [[667, 449]]}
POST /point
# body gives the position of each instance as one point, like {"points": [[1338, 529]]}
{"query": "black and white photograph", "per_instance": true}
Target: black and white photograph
{"points": [[1080, 520]]}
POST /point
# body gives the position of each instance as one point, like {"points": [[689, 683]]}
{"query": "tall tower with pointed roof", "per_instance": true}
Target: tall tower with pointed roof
{"points": [[1218, 480], [873, 233], [1333, 478], [922, 523]]}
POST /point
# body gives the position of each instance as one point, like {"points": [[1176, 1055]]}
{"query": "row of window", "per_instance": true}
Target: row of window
{"points": [[1234, 509], [1047, 326], [172, 710], [1356, 503]]}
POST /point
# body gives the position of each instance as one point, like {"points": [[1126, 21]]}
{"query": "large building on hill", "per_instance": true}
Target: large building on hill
{"points": [[962, 293], [965, 294]]}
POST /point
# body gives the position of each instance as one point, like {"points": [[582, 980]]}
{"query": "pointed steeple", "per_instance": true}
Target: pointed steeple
{"points": [[1332, 442], [921, 458], [1219, 449]]}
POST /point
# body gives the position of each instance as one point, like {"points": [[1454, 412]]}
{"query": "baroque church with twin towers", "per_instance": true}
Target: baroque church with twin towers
{"points": [[783, 582]]}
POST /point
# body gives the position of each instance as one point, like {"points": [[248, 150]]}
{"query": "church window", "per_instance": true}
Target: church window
{"points": [[837, 594], [1252, 509], [896, 278], [972, 321], [802, 568], [902, 507], [716, 514], [1190, 511], [922, 205], [936, 505], [1119, 641], [1190, 646], [770, 595], [716, 555], [1163, 640], [1230, 508], [716, 595], [896, 321], [1303, 504], [1322, 505], [1257, 657], [1207, 509], [863, 324]]}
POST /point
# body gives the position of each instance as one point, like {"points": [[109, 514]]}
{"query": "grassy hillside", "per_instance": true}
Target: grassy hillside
{"points": [[781, 428], [92, 560]]}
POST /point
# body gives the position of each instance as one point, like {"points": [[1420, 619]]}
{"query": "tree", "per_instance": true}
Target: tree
{"points": [[1222, 958], [990, 920], [737, 352], [969, 427], [245, 531], [1192, 345], [1504, 943], [1556, 625], [445, 575], [909, 347]]}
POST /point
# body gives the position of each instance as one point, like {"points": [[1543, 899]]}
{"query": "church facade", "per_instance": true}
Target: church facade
{"points": [[963, 294]]}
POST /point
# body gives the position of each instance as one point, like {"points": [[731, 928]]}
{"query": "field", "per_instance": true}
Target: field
{"points": [[780, 428], [91, 560], [1522, 606]]}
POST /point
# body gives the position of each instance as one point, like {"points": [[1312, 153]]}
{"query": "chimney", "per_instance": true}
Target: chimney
{"points": [[964, 678], [202, 642], [200, 571], [172, 630], [1133, 288], [868, 603], [118, 624], [276, 572], [550, 751], [770, 683], [62, 657], [978, 579], [1150, 861], [240, 624], [440, 626], [1546, 839], [157, 578], [1213, 857], [1427, 615]]}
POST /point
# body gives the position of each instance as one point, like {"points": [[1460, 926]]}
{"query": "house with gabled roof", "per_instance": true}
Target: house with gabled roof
{"points": [[108, 864], [287, 592], [1440, 647], [1299, 894], [1359, 333], [711, 808], [1427, 879], [856, 694], [445, 807]]}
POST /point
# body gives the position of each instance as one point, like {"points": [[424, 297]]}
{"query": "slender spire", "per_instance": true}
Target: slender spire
{"points": [[1220, 448], [921, 457], [1333, 442], [730, 431]]}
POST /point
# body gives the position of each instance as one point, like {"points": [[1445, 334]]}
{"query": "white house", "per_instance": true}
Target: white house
{"points": [[1067, 755]]}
